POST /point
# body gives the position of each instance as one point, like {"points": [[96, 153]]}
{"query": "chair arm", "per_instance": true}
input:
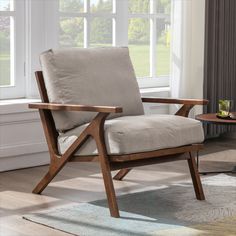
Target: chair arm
{"points": [[176, 101], [72, 107]]}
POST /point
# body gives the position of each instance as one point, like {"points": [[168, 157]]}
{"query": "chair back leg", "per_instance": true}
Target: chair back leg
{"points": [[44, 182], [121, 174], [195, 177]]}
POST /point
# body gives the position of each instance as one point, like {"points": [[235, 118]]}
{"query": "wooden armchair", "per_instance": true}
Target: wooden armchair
{"points": [[78, 136]]}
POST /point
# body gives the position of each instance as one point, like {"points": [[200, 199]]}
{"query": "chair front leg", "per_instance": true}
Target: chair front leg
{"points": [[52, 172], [98, 134], [195, 178], [58, 162]]}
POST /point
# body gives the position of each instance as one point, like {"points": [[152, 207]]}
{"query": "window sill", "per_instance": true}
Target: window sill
{"points": [[10, 106], [146, 91], [153, 82]]}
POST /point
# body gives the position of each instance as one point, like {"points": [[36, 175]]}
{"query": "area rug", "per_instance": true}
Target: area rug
{"points": [[169, 210]]}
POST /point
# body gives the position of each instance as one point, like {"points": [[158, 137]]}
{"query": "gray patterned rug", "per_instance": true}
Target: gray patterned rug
{"points": [[147, 213]]}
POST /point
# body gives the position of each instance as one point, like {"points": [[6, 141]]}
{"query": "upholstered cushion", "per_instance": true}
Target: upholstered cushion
{"points": [[133, 134], [103, 76]]}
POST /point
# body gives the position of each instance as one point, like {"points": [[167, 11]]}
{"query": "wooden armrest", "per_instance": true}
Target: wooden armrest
{"points": [[71, 107], [176, 101]]}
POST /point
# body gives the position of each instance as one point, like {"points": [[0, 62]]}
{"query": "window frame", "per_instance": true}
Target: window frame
{"points": [[88, 17], [152, 80], [17, 89], [121, 16], [37, 25]]}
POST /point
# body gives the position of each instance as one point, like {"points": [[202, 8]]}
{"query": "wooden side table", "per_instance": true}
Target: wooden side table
{"points": [[211, 118]]}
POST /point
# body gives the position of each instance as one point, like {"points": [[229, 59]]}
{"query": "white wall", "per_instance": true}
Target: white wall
{"points": [[22, 143]]}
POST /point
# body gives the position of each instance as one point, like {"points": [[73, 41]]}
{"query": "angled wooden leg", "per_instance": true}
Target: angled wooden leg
{"points": [[44, 182], [54, 169], [195, 178], [58, 162], [121, 174], [98, 135]]}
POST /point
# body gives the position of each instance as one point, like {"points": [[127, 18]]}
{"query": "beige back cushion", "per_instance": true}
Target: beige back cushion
{"points": [[101, 76]]}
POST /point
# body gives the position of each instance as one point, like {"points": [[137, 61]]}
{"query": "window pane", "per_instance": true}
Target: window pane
{"points": [[139, 6], [101, 32], [139, 45], [5, 51], [163, 40], [72, 5], [71, 32], [163, 6], [6, 5], [101, 6]]}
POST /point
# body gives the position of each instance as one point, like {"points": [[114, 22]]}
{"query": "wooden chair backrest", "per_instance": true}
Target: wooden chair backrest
{"points": [[50, 130], [41, 86]]}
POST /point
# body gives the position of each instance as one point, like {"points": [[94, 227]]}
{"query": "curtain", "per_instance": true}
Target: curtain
{"points": [[188, 20], [220, 57]]}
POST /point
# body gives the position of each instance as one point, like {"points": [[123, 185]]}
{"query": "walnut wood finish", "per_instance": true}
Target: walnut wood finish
{"points": [[157, 154], [176, 101], [72, 107], [95, 129], [195, 178], [144, 155], [136, 163], [184, 110], [49, 127], [121, 174], [211, 118]]}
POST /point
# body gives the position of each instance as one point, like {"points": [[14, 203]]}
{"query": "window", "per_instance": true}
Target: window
{"points": [[143, 25], [85, 23], [149, 37], [11, 49], [27, 28]]}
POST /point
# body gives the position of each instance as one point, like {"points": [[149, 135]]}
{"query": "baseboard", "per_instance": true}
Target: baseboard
{"points": [[24, 161]]}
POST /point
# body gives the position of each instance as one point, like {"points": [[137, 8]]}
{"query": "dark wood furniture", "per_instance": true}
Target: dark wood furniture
{"points": [[95, 129], [211, 118]]}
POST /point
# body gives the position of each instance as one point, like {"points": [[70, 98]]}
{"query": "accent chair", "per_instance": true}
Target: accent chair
{"points": [[92, 110]]}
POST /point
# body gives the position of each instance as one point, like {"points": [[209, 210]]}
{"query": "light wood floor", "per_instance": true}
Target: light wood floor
{"points": [[79, 182]]}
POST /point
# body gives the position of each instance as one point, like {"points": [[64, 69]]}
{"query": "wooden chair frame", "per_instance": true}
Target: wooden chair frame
{"points": [[109, 163]]}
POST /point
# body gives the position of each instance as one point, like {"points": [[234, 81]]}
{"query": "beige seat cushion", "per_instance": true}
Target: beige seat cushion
{"points": [[101, 76], [133, 134]]}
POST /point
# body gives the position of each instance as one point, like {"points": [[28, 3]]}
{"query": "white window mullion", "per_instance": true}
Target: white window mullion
{"points": [[122, 23], [87, 32], [114, 42], [7, 13], [13, 49], [87, 22], [153, 39], [96, 14], [52, 22], [114, 11]]}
